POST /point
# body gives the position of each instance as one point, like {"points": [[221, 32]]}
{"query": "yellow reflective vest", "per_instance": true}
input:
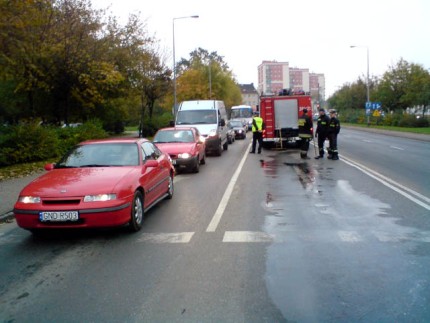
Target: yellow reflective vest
{"points": [[257, 124]]}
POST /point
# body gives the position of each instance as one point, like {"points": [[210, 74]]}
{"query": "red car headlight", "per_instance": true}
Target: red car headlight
{"points": [[99, 198], [29, 199], [184, 155]]}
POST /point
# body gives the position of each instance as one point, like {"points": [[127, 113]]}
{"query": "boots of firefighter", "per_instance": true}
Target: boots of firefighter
{"points": [[304, 154], [320, 153], [329, 154], [335, 156]]}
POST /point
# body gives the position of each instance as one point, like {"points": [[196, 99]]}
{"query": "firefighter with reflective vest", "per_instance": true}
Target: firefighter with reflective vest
{"points": [[257, 132], [333, 131], [322, 132], [305, 133]]}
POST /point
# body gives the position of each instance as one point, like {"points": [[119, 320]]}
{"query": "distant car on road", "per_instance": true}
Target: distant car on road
{"points": [[98, 183], [185, 145], [239, 128]]}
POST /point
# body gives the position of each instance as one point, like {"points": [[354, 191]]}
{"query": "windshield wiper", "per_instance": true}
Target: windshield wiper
{"points": [[64, 166], [95, 165]]}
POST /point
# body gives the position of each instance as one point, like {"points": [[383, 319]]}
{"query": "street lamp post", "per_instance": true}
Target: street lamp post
{"points": [[367, 81], [174, 62]]}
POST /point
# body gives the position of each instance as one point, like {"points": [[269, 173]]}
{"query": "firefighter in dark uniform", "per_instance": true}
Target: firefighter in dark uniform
{"points": [[322, 131], [333, 131], [257, 132], [305, 133]]}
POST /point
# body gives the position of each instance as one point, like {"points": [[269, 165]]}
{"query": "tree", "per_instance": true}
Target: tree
{"points": [[206, 76], [404, 85]]}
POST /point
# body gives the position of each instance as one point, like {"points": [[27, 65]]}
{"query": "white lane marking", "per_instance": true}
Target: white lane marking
{"points": [[390, 183], [366, 140], [180, 237], [398, 148], [247, 236], [349, 236], [226, 197]]}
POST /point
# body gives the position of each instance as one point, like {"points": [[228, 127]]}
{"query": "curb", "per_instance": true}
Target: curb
{"points": [[7, 217]]}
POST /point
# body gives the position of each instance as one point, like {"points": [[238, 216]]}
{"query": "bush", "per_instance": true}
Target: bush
{"points": [[27, 143], [69, 137], [30, 142], [150, 127]]}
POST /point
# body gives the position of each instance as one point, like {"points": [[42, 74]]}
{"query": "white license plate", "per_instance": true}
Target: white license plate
{"points": [[59, 216]]}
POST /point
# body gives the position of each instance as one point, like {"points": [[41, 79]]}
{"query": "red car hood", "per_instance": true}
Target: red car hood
{"points": [[175, 148], [77, 181]]}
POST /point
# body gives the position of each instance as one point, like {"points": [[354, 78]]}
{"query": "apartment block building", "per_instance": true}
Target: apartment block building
{"points": [[274, 76]]}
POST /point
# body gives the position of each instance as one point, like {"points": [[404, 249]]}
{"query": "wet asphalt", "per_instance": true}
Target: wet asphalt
{"points": [[10, 188]]}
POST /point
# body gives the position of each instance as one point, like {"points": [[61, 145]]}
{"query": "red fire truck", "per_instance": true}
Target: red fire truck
{"points": [[281, 116]]}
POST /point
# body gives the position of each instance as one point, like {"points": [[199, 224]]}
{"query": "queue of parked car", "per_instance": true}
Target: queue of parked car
{"points": [[114, 182]]}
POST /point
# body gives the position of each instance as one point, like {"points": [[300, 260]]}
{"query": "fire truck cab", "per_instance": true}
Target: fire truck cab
{"points": [[281, 116]]}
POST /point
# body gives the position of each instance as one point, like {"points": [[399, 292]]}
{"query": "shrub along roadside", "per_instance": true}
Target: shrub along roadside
{"points": [[394, 119], [28, 143]]}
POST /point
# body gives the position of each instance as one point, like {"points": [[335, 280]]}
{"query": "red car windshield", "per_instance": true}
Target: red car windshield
{"points": [[101, 155]]}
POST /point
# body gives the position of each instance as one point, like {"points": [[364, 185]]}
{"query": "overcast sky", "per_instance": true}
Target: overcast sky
{"points": [[314, 34]]}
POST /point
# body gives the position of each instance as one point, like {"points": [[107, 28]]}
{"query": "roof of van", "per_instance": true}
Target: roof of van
{"points": [[200, 104], [241, 106]]}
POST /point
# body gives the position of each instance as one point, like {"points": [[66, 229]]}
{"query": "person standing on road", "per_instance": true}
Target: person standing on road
{"points": [[333, 131], [305, 133], [257, 132], [322, 131]]}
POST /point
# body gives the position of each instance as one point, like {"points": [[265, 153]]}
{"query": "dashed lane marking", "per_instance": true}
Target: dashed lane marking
{"points": [[247, 236], [179, 237]]}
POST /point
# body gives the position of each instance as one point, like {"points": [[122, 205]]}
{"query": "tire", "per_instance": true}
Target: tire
{"points": [[225, 146], [137, 212], [218, 152], [171, 189], [203, 161], [196, 168]]}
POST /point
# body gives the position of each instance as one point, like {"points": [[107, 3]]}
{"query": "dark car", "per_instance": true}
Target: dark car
{"points": [[231, 136], [185, 145], [98, 183], [239, 129]]}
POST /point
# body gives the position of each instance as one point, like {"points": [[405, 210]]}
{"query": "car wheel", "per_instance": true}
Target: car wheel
{"points": [[196, 168], [218, 152], [137, 212], [225, 146], [170, 190]]}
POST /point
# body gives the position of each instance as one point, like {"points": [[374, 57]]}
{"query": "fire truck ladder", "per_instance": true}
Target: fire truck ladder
{"points": [[279, 145]]}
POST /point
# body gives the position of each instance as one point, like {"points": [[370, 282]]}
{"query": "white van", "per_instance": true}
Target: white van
{"points": [[209, 116]]}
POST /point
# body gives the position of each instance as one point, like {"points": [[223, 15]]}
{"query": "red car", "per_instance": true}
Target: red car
{"points": [[98, 183], [185, 146]]}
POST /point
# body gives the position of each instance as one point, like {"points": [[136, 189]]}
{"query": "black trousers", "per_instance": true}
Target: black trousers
{"points": [[321, 140], [304, 144], [332, 137], [257, 136]]}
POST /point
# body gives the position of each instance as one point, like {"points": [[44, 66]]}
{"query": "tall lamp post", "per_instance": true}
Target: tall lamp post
{"points": [[174, 62], [367, 81]]}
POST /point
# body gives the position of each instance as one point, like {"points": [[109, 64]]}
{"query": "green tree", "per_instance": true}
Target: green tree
{"points": [[404, 85], [206, 76]]}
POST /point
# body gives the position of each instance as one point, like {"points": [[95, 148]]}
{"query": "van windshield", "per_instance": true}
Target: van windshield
{"points": [[196, 117]]}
